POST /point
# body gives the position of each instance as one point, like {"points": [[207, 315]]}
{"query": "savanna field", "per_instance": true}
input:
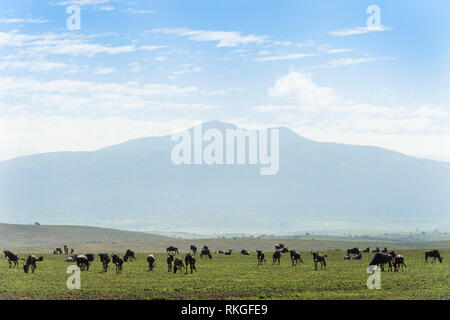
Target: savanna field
{"points": [[231, 277]]}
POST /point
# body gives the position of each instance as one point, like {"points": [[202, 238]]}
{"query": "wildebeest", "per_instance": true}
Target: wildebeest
{"points": [[57, 251], [433, 254], [169, 262], [70, 259], [279, 246], [190, 261], [276, 257], [151, 262], [118, 261], [354, 251], [367, 249], [82, 262], [347, 258], [219, 252], [90, 257], [205, 252], [66, 250], [178, 265], [295, 257], [105, 260], [245, 252], [228, 252], [358, 257], [380, 259], [319, 258], [399, 261], [172, 249], [284, 250], [377, 250], [72, 250], [12, 258], [260, 256], [31, 262], [194, 250], [129, 255], [385, 250]]}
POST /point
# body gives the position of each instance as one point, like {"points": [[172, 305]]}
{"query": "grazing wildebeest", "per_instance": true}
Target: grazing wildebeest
{"points": [[355, 251], [66, 250], [129, 255], [385, 250], [151, 262], [105, 260], [12, 258], [228, 252], [399, 261], [57, 251], [367, 249], [295, 256], [358, 257], [194, 250], [260, 256], [379, 259], [190, 261], [279, 246], [82, 262], [347, 258], [245, 252], [178, 265], [169, 262], [118, 261], [276, 257], [205, 252], [172, 249], [31, 262], [377, 250], [319, 258], [433, 254]]}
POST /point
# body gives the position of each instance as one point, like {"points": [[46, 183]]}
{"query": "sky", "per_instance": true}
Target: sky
{"points": [[144, 68]]}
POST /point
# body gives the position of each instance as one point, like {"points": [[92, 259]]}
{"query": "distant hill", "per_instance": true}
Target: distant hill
{"points": [[320, 187], [19, 235]]}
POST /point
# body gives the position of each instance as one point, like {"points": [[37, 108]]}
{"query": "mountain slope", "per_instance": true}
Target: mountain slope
{"points": [[16, 235], [319, 186]]}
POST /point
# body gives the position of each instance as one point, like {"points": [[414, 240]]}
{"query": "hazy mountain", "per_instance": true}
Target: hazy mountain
{"points": [[319, 186]]}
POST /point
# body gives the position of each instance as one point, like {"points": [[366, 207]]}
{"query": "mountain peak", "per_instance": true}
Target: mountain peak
{"points": [[220, 125]]}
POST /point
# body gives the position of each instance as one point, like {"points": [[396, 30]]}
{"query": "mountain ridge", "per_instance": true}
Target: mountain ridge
{"points": [[320, 185]]}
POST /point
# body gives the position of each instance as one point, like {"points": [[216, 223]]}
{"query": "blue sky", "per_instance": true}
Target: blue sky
{"points": [[142, 68]]}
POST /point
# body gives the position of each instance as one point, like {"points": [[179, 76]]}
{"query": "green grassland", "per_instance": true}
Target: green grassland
{"points": [[231, 277]]}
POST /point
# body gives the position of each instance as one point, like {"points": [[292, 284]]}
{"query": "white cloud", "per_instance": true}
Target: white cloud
{"points": [[33, 65], [291, 56], [58, 44], [101, 70], [23, 20], [357, 30], [305, 103], [334, 51], [350, 61], [82, 2], [223, 38], [20, 95], [136, 11], [301, 87]]}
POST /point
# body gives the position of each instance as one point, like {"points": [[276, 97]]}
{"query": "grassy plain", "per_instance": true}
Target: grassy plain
{"points": [[231, 277]]}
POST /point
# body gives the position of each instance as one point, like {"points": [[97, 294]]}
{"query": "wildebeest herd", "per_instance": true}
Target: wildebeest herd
{"points": [[396, 262]]}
